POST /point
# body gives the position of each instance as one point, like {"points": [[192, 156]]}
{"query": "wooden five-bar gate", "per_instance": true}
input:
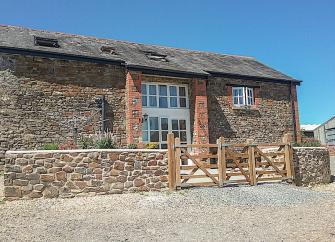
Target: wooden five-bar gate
{"points": [[221, 163]]}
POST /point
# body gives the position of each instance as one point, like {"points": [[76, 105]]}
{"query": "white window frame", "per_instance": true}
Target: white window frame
{"points": [[248, 96], [169, 130], [146, 85]]}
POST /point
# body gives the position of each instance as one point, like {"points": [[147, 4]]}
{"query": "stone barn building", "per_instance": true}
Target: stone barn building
{"points": [[56, 85]]}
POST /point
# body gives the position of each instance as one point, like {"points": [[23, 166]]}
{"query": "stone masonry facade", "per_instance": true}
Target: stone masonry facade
{"points": [[43, 100], [267, 121], [35, 174], [311, 166]]}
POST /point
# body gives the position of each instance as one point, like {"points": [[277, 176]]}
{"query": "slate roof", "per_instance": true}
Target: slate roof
{"points": [[134, 54]]}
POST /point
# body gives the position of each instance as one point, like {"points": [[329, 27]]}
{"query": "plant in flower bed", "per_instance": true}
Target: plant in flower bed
{"points": [[307, 142], [101, 140], [105, 140], [50, 147], [132, 146], [152, 146], [86, 143], [69, 145]]}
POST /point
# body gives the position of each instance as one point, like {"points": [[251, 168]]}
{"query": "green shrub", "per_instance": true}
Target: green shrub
{"points": [[86, 143], [132, 146], [152, 146], [314, 143], [50, 147], [104, 143]]}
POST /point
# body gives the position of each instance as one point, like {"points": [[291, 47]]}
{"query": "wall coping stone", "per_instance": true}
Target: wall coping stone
{"points": [[84, 151], [310, 148]]}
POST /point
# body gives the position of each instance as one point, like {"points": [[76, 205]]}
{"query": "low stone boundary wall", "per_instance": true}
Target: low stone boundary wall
{"points": [[34, 174], [311, 165]]}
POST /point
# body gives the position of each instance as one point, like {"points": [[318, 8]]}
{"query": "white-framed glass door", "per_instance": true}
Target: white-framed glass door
{"points": [[155, 130]]}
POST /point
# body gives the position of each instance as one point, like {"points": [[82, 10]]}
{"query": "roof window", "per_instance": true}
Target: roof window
{"points": [[46, 42], [108, 50], [155, 56]]}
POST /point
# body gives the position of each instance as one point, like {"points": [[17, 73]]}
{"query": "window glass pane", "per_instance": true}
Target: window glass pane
{"points": [[250, 96], [164, 135], [164, 124], [183, 137], [152, 101], [144, 89], [175, 125], [235, 92], [236, 100], [162, 90], [163, 102], [145, 136], [144, 101], [152, 89], [154, 136], [163, 146], [182, 91], [240, 100], [153, 123], [240, 92], [145, 125], [176, 134], [173, 91], [173, 102], [182, 102], [182, 124]]}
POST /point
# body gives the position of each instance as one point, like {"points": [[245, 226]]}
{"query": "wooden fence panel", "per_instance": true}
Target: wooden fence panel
{"points": [[235, 163]]}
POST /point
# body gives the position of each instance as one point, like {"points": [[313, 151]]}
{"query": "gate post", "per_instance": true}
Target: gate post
{"points": [[177, 162], [287, 156], [221, 161], [251, 162], [171, 161]]}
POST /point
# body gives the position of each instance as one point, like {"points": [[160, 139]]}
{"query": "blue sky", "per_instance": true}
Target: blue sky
{"points": [[296, 37]]}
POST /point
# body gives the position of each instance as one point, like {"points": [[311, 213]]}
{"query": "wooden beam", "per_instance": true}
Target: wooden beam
{"points": [[287, 156], [171, 162], [178, 162], [199, 164], [221, 161], [251, 162]]}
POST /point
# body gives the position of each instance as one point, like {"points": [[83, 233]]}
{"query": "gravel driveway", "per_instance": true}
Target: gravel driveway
{"points": [[269, 212]]}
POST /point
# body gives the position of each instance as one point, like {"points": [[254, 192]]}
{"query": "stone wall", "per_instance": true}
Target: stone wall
{"points": [[266, 122], [311, 166], [49, 174], [42, 100]]}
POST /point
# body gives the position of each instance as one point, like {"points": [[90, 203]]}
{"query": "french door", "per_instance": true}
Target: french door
{"points": [[155, 130]]}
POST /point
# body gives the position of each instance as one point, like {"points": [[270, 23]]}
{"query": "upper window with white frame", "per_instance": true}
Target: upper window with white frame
{"points": [[164, 96], [243, 96]]}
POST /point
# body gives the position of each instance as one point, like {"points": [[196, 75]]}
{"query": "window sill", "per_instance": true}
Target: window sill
{"points": [[245, 107]]}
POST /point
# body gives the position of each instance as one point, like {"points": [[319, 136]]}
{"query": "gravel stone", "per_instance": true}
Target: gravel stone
{"points": [[269, 212]]}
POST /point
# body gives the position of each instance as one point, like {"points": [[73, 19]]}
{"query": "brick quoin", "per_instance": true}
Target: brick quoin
{"points": [[257, 96], [294, 98], [201, 133], [134, 108]]}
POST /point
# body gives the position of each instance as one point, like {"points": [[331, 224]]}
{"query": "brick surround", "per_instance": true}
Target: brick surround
{"points": [[200, 134], [134, 108]]}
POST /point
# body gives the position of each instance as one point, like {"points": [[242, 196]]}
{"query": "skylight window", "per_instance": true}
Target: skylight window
{"points": [[46, 42], [155, 56], [108, 50]]}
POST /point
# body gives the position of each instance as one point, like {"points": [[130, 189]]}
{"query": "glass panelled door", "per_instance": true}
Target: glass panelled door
{"points": [[155, 130], [164, 131]]}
